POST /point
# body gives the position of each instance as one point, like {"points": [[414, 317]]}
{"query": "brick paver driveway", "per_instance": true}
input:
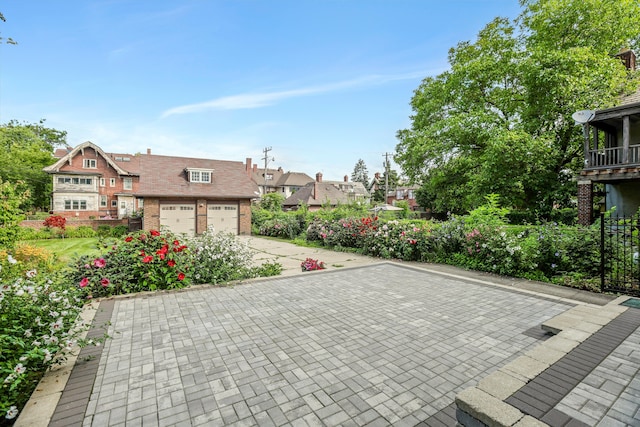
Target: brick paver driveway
{"points": [[382, 344]]}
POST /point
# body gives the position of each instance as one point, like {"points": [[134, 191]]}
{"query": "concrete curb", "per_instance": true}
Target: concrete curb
{"points": [[484, 404]]}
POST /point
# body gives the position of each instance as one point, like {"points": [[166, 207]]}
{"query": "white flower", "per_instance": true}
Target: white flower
{"points": [[20, 292], [11, 413], [31, 273], [19, 369], [9, 378], [57, 325], [11, 259], [23, 358], [28, 333], [47, 355]]}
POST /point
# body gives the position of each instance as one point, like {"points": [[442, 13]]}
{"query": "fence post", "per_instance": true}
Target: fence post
{"points": [[602, 258]]}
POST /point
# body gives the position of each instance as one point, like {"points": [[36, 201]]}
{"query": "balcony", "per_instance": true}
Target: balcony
{"points": [[614, 157]]}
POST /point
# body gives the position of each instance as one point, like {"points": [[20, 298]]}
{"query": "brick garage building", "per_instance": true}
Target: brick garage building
{"points": [[185, 195]]}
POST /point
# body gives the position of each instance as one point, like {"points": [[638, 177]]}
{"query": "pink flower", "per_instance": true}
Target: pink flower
{"points": [[154, 232], [171, 263], [128, 239], [147, 259], [105, 282], [181, 276], [99, 262], [84, 282]]}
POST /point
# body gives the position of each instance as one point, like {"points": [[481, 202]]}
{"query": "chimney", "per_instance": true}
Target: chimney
{"points": [[148, 151], [346, 178], [628, 58], [255, 167], [319, 177], [247, 167]]}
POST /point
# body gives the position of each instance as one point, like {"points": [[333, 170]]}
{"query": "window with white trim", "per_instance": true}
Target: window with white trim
{"points": [[199, 175], [75, 205], [103, 201], [89, 163], [114, 203], [102, 182], [127, 183], [112, 182]]}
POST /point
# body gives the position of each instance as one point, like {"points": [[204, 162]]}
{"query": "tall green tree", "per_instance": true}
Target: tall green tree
{"points": [[360, 173], [499, 120], [24, 150], [11, 197]]}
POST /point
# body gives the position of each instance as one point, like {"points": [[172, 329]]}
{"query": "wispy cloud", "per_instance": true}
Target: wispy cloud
{"points": [[264, 99]]}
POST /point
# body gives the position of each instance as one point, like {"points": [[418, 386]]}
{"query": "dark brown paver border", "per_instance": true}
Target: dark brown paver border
{"points": [[75, 396], [539, 397]]}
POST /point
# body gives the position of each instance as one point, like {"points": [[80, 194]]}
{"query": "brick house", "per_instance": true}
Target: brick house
{"points": [[276, 180], [321, 193], [185, 195]]}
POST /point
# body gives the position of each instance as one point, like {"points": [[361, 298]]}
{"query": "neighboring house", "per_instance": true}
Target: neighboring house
{"points": [[185, 195], [276, 180], [321, 193], [612, 156], [404, 193]]}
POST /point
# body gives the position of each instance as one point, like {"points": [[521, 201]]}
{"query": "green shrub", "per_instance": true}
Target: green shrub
{"points": [[82, 231], [287, 226], [37, 329], [119, 230], [104, 230], [221, 257], [142, 261], [28, 233]]}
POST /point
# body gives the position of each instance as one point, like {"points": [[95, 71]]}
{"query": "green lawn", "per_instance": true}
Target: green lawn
{"points": [[66, 249]]}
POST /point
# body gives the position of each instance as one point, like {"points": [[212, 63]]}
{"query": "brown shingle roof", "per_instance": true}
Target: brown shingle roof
{"points": [[166, 176], [294, 179], [327, 193]]}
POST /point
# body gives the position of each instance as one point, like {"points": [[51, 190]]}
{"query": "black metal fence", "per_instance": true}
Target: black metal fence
{"points": [[135, 224], [619, 254]]}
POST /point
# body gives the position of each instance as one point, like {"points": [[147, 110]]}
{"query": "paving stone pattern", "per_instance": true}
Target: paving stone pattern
{"points": [[610, 394], [377, 345], [579, 389]]}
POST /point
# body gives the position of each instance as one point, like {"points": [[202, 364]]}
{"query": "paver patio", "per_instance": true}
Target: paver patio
{"points": [[377, 345]]}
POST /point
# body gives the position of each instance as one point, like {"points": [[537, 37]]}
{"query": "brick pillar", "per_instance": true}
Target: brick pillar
{"points": [[201, 216], [151, 214], [585, 202]]}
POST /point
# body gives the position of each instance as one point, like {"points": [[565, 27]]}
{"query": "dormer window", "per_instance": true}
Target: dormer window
{"points": [[199, 175]]}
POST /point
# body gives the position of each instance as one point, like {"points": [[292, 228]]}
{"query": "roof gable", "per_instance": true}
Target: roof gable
{"points": [[67, 159]]}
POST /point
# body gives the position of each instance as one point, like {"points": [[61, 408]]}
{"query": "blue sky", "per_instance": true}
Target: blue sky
{"points": [[323, 82]]}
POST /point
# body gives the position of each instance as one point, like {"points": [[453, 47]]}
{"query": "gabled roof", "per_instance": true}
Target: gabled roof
{"points": [[166, 176], [296, 179], [67, 158], [257, 176], [328, 192]]}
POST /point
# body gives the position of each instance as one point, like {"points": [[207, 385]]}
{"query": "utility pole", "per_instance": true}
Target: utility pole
{"points": [[266, 162], [386, 177]]}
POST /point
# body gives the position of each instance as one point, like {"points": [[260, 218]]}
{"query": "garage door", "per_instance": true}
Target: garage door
{"points": [[178, 218], [223, 217]]}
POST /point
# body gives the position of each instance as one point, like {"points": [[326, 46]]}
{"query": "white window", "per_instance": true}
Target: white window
{"points": [[102, 182], [114, 203], [200, 175], [76, 205], [112, 182], [103, 201], [90, 163], [127, 183]]}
